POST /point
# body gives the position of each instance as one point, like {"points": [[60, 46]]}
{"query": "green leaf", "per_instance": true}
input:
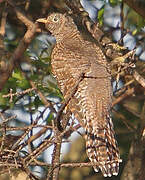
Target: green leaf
{"points": [[134, 32], [17, 74], [100, 16], [50, 117], [24, 84]]}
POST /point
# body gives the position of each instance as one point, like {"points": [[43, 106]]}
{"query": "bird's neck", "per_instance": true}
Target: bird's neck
{"points": [[70, 33]]}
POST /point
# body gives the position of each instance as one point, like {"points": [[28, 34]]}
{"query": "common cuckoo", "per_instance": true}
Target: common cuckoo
{"points": [[71, 57]]}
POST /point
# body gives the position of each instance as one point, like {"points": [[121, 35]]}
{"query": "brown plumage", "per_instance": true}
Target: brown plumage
{"points": [[91, 104]]}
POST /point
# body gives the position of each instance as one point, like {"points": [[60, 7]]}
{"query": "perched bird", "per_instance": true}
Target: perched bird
{"points": [[71, 57]]}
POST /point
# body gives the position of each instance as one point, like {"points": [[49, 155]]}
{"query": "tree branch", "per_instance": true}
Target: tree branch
{"points": [[137, 5]]}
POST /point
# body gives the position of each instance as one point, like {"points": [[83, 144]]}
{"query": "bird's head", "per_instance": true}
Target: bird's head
{"points": [[54, 22]]}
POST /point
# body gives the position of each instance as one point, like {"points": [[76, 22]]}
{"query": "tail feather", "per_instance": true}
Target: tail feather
{"points": [[102, 149]]}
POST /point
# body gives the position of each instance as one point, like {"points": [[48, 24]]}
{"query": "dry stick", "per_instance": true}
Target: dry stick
{"points": [[54, 171], [10, 154], [34, 137], [19, 93], [123, 96], [30, 127], [139, 78], [4, 131], [3, 23], [127, 123], [7, 119], [45, 145], [31, 139], [46, 103], [38, 134], [10, 128], [20, 139], [123, 89], [77, 164], [39, 150], [27, 170], [20, 15], [138, 6], [3, 164], [129, 92]]}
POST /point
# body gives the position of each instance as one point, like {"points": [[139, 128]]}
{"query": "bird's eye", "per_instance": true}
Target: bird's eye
{"points": [[55, 19]]}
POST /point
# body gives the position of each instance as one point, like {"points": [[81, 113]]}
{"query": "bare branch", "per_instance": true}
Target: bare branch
{"points": [[127, 93], [139, 79], [137, 5]]}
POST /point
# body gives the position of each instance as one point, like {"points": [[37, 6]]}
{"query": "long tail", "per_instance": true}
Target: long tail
{"points": [[102, 149]]}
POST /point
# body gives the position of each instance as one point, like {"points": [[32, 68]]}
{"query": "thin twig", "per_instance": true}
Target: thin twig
{"points": [[127, 93], [139, 79], [3, 22], [19, 93], [20, 15], [79, 164]]}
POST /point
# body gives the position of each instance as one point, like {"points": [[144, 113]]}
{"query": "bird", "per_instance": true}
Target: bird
{"points": [[74, 56]]}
